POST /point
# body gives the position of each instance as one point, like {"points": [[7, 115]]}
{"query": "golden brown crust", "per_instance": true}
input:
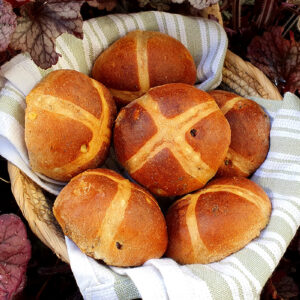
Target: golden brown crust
{"points": [[78, 203], [163, 175], [133, 131], [129, 66], [68, 121], [178, 231], [183, 98], [68, 85], [216, 221], [207, 137], [52, 135], [243, 183], [170, 157], [176, 64], [250, 130], [116, 67], [112, 219]]}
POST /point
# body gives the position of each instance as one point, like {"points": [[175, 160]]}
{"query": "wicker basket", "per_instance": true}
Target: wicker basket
{"points": [[36, 206]]}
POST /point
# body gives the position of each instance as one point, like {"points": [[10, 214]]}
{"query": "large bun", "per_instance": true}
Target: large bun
{"points": [[250, 131], [216, 221], [141, 60], [172, 140], [68, 123], [112, 219]]}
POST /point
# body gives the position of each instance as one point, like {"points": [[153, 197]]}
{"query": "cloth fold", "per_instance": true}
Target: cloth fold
{"points": [[239, 276]]}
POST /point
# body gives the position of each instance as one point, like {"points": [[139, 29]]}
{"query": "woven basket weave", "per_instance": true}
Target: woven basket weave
{"points": [[238, 75]]}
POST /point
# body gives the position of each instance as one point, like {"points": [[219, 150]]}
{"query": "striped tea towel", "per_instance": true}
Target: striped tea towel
{"points": [[240, 276], [206, 40]]}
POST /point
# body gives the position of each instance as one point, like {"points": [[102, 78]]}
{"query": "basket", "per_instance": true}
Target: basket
{"points": [[238, 76]]}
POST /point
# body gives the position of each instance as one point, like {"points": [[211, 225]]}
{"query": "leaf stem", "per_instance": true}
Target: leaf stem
{"points": [[236, 13], [291, 21], [4, 180]]}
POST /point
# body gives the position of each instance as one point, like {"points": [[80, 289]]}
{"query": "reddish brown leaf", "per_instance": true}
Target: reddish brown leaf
{"points": [[15, 252], [103, 4], [161, 5], [8, 24], [269, 291], [17, 3], [7, 55], [41, 23], [287, 288], [278, 58]]}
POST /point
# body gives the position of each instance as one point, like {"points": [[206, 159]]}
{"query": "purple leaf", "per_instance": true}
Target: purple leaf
{"points": [[278, 58], [41, 22], [15, 252], [103, 4], [17, 3], [8, 24]]}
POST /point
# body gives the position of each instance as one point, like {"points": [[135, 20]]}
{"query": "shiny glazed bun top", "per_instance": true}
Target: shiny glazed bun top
{"points": [[216, 221], [68, 122], [141, 60], [250, 134], [112, 219], [172, 140]]}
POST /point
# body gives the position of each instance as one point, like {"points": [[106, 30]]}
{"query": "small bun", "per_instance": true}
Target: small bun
{"points": [[216, 221], [141, 60], [68, 123], [112, 219], [250, 131], [172, 140]]}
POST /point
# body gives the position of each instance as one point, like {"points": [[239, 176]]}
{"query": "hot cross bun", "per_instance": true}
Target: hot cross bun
{"points": [[250, 131], [216, 221], [112, 219], [141, 60], [68, 122], [172, 140]]}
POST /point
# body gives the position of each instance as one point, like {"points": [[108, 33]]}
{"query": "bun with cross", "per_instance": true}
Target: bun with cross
{"points": [[216, 221], [172, 140], [68, 122], [141, 60], [250, 131], [111, 219]]}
